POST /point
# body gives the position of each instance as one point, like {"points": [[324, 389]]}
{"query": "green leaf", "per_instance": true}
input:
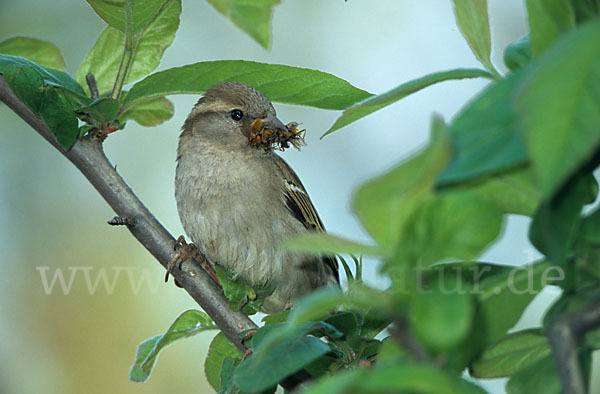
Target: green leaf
{"points": [[454, 225], [105, 57], [27, 84], [321, 302], [548, 19], [555, 225], [375, 103], [252, 16], [441, 316], [316, 305], [43, 91], [508, 291], [103, 109], [519, 53], [314, 242], [558, 107], [485, 135], [226, 377], [220, 348], [346, 322], [390, 351], [590, 228], [38, 51], [189, 323], [284, 84], [512, 353], [113, 12], [50, 76], [394, 378], [373, 323], [265, 369], [278, 317], [58, 114], [241, 296], [149, 113], [540, 377], [584, 10], [512, 192], [501, 293], [385, 203], [472, 19]]}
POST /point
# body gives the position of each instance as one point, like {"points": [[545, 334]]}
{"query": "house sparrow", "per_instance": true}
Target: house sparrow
{"points": [[238, 200]]}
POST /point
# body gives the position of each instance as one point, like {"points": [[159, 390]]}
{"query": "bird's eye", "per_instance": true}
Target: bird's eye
{"points": [[236, 114]]}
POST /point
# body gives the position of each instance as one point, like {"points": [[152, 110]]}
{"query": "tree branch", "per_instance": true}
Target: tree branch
{"points": [[88, 156], [564, 334]]}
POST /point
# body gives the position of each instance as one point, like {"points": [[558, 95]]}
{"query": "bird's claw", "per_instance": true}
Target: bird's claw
{"points": [[184, 251], [246, 338]]}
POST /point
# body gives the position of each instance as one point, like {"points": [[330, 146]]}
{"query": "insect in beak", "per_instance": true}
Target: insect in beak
{"points": [[270, 133]]}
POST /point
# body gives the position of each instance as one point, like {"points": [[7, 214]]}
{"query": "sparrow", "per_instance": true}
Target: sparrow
{"points": [[238, 200]]}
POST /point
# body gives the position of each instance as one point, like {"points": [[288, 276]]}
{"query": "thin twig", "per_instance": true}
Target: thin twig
{"points": [[88, 156], [121, 221], [91, 82], [564, 335], [401, 332]]}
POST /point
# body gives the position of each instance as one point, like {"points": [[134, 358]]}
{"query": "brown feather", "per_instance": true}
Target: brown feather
{"points": [[298, 201]]}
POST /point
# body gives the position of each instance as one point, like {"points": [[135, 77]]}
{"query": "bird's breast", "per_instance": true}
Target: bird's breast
{"points": [[231, 206]]}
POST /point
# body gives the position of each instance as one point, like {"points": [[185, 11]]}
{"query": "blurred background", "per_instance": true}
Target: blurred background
{"points": [[81, 337]]}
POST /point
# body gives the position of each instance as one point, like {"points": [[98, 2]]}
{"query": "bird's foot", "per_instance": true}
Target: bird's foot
{"points": [[185, 251], [246, 338]]}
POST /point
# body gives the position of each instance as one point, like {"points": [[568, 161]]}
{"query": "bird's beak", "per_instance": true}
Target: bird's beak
{"points": [[270, 122], [270, 133]]}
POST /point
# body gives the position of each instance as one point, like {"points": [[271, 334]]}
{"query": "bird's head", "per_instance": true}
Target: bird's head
{"points": [[232, 114]]}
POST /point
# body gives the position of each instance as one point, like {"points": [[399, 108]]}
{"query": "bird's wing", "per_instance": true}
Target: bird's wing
{"points": [[298, 202]]}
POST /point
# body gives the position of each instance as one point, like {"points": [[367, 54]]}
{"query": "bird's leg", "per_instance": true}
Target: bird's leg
{"points": [[249, 334], [185, 251]]}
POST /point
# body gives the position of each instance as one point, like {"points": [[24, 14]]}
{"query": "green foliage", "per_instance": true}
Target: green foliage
{"points": [[284, 84], [398, 378], [509, 290], [50, 94], [453, 225], [512, 353], [41, 52], [151, 40], [485, 135], [149, 113], [527, 144], [384, 204], [556, 222], [548, 20], [442, 319], [328, 243], [219, 351], [375, 103], [540, 377], [571, 68], [241, 296], [54, 78], [472, 19], [189, 323], [253, 17], [512, 192], [269, 365], [518, 54], [114, 12]]}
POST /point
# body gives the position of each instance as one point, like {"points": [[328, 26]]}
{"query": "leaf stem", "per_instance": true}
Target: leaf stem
{"points": [[490, 67], [128, 51]]}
